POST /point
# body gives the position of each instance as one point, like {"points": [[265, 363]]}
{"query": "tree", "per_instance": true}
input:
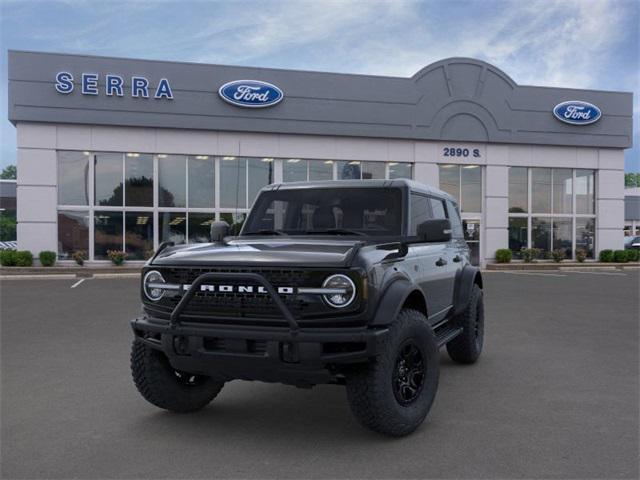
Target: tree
{"points": [[632, 180], [9, 173]]}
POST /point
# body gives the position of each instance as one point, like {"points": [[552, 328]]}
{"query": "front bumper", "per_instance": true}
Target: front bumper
{"points": [[272, 354]]}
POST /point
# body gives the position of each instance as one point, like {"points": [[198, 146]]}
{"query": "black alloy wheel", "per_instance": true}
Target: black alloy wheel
{"points": [[409, 373]]}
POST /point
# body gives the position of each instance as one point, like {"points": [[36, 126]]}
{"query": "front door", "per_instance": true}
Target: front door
{"points": [[471, 228]]}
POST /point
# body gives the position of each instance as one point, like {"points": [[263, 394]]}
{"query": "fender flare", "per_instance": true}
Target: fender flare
{"points": [[469, 276], [395, 294]]}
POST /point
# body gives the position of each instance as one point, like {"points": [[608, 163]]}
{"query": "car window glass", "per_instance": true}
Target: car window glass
{"points": [[456, 224], [370, 211], [420, 211], [437, 208]]}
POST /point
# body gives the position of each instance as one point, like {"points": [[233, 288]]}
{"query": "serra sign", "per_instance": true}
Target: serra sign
{"points": [[113, 85]]}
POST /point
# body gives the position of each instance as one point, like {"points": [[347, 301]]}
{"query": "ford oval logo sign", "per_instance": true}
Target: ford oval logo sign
{"points": [[577, 112], [250, 93]]}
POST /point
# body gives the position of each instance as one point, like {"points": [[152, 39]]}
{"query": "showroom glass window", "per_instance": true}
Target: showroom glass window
{"points": [[138, 178], [551, 209], [73, 178], [134, 201], [73, 233], [172, 181], [109, 177], [202, 180], [233, 182], [464, 183]]}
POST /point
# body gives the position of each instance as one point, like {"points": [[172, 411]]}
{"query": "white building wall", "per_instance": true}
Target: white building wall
{"points": [[37, 192]]}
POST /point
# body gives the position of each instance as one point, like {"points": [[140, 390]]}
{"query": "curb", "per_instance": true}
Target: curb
{"points": [[560, 266]]}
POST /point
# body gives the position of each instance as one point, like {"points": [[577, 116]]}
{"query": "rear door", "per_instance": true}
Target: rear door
{"points": [[427, 262], [446, 261]]}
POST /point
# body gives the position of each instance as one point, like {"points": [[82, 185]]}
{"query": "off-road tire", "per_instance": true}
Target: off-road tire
{"points": [[162, 386], [467, 347], [371, 388]]}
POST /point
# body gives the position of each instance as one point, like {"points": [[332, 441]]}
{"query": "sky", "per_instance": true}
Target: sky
{"points": [[566, 43]]}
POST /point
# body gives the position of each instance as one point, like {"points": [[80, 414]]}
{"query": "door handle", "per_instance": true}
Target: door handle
{"points": [[457, 258], [441, 262]]}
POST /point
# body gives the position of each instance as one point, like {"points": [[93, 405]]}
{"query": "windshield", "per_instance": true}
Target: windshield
{"points": [[327, 211]]}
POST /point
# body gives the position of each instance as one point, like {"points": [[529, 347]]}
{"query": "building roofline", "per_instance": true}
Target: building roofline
{"points": [[413, 77]]}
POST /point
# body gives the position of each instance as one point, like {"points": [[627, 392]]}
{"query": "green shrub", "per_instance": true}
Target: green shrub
{"points": [[558, 255], [7, 258], [79, 256], [24, 258], [503, 255], [606, 256], [620, 256], [529, 254], [633, 255], [47, 258], [581, 254], [117, 256]]}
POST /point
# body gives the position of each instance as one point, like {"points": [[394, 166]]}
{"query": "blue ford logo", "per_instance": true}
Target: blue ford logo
{"points": [[576, 112], [250, 93]]}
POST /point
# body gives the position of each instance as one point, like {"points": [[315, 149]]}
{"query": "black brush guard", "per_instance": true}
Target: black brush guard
{"points": [[271, 291]]}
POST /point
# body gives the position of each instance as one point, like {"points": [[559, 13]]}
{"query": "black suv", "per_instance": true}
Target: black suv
{"points": [[357, 283]]}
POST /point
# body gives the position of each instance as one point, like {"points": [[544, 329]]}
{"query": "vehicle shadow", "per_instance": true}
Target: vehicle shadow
{"points": [[263, 411]]}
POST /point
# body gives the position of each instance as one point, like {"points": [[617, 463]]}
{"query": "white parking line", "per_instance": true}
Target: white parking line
{"points": [[599, 273], [78, 283]]}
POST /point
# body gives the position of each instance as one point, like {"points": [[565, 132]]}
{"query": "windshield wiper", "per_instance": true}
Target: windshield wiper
{"points": [[266, 232], [336, 231]]}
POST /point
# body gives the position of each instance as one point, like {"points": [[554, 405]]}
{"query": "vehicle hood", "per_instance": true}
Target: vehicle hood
{"points": [[263, 252]]}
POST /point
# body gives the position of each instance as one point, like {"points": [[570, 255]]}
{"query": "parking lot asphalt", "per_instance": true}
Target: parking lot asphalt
{"points": [[555, 395]]}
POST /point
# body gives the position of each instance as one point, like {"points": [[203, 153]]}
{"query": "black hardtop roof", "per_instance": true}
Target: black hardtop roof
{"points": [[351, 184]]}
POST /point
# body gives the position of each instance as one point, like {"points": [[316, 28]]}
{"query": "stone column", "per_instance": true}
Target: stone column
{"points": [[610, 200], [37, 188]]}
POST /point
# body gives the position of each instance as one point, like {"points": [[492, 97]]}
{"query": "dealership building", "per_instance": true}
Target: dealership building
{"points": [[124, 154]]}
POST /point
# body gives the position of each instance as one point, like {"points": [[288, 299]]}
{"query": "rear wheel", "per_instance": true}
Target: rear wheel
{"points": [[467, 347], [393, 394], [163, 386]]}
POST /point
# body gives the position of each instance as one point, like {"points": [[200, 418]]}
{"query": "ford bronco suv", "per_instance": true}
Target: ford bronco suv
{"points": [[356, 283]]}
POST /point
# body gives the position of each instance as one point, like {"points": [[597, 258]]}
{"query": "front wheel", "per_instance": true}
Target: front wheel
{"points": [[163, 386], [393, 394], [467, 347]]}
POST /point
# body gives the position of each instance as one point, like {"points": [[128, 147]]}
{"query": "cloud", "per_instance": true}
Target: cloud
{"points": [[568, 43]]}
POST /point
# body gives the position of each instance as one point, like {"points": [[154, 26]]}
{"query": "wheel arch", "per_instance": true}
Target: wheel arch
{"points": [[467, 278], [400, 293]]}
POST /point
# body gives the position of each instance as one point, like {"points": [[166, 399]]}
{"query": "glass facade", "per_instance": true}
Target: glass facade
{"points": [[133, 201], [464, 183], [550, 209]]}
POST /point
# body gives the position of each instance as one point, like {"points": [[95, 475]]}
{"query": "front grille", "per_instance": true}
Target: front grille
{"points": [[237, 307]]}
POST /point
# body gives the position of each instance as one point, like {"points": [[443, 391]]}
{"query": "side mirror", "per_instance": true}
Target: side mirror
{"points": [[437, 230], [219, 230]]}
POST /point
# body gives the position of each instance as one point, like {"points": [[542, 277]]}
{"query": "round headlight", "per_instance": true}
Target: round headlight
{"points": [[152, 280], [345, 291]]}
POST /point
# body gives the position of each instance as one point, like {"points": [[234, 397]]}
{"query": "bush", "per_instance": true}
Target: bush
{"points": [[503, 255], [606, 256], [633, 255], [7, 258], [79, 256], [24, 258], [117, 256], [47, 258], [581, 254], [530, 254], [558, 255], [620, 256]]}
